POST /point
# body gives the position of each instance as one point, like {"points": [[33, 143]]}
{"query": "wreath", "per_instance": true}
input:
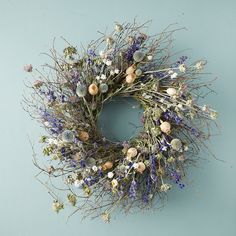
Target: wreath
{"points": [[94, 174]]}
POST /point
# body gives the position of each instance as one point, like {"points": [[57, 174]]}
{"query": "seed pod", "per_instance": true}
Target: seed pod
{"points": [[93, 89], [130, 70], [103, 88], [132, 152], [83, 136], [130, 78], [108, 165], [171, 91], [176, 144], [165, 127], [138, 72], [138, 56], [141, 167], [68, 136], [81, 90]]}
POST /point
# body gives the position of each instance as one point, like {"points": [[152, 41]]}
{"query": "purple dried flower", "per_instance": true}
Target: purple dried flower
{"points": [[153, 168], [54, 124], [133, 189]]}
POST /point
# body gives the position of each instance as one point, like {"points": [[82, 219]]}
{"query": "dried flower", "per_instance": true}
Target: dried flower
{"points": [[103, 88], [200, 65], [138, 72], [165, 187], [182, 68], [68, 136], [72, 199], [110, 175], [130, 70], [118, 28], [79, 183], [141, 167], [81, 90], [106, 217], [109, 40], [28, 68], [93, 89], [83, 136], [132, 152], [176, 144], [130, 78], [114, 183], [57, 206], [138, 56], [171, 91], [165, 127], [108, 165]]}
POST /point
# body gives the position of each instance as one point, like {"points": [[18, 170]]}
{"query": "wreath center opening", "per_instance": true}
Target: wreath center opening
{"points": [[120, 119]]}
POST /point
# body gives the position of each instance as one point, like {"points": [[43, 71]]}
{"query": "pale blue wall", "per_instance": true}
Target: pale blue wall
{"points": [[207, 206]]}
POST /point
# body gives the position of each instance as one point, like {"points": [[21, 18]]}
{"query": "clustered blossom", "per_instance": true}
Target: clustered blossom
{"points": [[99, 174]]}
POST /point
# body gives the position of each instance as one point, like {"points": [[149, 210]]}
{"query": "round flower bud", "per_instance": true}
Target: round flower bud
{"points": [[81, 90], [108, 165], [93, 89], [141, 167], [138, 72], [132, 152], [90, 162], [171, 91], [165, 127], [130, 78], [130, 70], [176, 144], [138, 56], [83, 136], [103, 88], [68, 136]]}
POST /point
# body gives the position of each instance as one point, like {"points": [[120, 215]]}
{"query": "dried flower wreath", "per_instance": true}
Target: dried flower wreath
{"points": [[98, 175]]}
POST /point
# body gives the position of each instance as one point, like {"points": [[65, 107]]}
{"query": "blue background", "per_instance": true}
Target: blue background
{"points": [[207, 206]]}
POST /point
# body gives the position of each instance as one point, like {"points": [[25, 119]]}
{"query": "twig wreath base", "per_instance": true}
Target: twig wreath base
{"points": [[67, 97]]}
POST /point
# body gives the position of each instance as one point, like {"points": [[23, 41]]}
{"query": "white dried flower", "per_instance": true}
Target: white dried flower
{"points": [[213, 115], [102, 54], [103, 77], [182, 68], [109, 40], [149, 57], [117, 71], [110, 175], [200, 65], [78, 183], [174, 75], [171, 91], [135, 165], [118, 28], [95, 168], [108, 62], [165, 187]]}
